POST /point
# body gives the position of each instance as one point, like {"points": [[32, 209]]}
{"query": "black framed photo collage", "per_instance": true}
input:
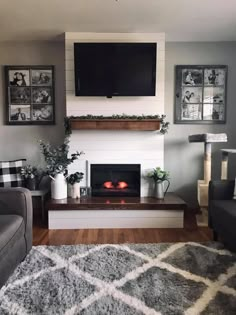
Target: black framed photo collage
{"points": [[200, 94], [30, 96]]}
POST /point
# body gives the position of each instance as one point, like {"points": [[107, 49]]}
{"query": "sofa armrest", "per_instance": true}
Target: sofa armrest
{"points": [[221, 190], [18, 201]]}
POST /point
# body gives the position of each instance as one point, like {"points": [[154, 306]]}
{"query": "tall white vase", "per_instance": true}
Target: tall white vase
{"points": [[58, 187]]}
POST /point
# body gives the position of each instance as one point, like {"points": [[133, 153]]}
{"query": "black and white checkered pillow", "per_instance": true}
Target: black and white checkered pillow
{"points": [[10, 173]]}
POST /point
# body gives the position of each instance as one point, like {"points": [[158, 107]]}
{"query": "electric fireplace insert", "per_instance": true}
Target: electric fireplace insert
{"points": [[114, 180]]}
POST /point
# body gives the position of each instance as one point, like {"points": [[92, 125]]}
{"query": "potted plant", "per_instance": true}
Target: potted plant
{"points": [[30, 175], [73, 181], [57, 161], [159, 176]]}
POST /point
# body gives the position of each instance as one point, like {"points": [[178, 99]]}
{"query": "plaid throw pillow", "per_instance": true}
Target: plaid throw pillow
{"points": [[10, 173]]}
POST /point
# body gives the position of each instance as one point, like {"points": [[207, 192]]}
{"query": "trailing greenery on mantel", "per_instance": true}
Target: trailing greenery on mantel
{"points": [[164, 124]]}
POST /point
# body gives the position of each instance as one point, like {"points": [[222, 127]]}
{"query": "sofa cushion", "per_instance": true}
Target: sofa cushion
{"points": [[10, 226], [10, 173]]}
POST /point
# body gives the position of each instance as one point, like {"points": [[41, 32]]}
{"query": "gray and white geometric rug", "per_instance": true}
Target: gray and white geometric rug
{"points": [[180, 278]]}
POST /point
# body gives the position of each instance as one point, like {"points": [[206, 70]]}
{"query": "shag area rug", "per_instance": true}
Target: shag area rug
{"points": [[180, 278]]}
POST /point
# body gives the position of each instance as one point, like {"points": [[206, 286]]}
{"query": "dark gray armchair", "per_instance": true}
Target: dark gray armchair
{"points": [[222, 212], [15, 229]]}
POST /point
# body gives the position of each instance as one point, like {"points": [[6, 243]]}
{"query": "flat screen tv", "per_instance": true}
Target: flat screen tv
{"points": [[115, 69]]}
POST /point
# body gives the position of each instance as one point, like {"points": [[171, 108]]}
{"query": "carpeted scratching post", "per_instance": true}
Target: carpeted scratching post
{"points": [[207, 139]]}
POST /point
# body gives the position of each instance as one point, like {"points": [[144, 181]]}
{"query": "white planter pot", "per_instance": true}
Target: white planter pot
{"points": [[58, 187], [74, 190]]}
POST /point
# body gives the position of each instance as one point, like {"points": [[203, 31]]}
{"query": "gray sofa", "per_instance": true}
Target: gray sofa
{"points": [[222, 212], [15, 229]]}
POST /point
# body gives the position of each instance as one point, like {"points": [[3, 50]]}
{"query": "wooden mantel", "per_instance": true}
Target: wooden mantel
{"points": [[115, 124]]}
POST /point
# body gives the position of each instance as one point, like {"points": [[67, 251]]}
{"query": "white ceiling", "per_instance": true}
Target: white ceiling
{"points": [[181, 20]]}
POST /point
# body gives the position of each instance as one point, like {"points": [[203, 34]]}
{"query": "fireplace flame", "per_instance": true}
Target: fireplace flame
{"points": [[108, 185], [122, 185]]}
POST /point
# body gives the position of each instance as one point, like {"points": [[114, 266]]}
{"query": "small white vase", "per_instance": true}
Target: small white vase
{"points": [[74, 190], [58, 187], [69, 190]]}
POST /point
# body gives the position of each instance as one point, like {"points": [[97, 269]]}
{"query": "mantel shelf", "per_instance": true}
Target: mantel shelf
{"points": [[115, 124]]}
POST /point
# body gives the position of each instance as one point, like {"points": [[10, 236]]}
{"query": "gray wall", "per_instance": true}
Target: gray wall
{"points": [[185, 160], [182, 159], [22, 141]]}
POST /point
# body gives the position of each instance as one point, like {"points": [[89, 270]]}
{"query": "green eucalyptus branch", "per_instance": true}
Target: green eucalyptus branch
{"points": [[57, 157]]}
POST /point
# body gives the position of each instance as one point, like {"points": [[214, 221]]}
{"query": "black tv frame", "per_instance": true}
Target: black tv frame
{"points": [[110, 91]]}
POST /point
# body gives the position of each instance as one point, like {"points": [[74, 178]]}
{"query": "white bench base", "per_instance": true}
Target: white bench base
{"points": [[112, 219]]}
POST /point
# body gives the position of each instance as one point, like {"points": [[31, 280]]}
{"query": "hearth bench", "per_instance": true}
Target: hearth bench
{"points": [[115, 212]]}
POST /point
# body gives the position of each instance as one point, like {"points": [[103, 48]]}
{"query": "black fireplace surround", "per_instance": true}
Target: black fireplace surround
{"points": [[115, 180]]}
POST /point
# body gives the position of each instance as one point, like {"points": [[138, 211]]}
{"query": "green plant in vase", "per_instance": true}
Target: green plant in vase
{"points": [[31, 176], [159, 176], [75, 178], [57, 160], [73, 181], [57, 157]]}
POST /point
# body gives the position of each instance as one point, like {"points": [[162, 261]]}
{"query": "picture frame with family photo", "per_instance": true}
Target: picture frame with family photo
{"points": [[30, 95], [200, 94]]}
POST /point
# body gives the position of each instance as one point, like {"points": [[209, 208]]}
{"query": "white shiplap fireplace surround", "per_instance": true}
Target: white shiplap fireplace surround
{"points": [[112, 146]]}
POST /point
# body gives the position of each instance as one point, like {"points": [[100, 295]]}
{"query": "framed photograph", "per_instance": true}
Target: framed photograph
{"points": [[191, 111], [19, 78], [41, 77], [191, 95], [192, 77], [19, 95], [30, 95], [20, 113], [42, 95], [42, 112], [200, 94]]}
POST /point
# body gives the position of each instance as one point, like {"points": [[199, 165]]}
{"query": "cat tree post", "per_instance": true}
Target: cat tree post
{"points": [[207, 139], [207, 162]]}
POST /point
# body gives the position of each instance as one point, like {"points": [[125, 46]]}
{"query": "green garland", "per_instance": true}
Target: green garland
{"points": [[163, 130]]}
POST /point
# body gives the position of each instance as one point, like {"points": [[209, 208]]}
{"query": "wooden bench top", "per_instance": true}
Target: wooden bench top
{"points": [[171, 202]]}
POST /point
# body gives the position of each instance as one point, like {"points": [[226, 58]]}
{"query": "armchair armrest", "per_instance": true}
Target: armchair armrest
{"points": [[221, 190], [18, 201]]}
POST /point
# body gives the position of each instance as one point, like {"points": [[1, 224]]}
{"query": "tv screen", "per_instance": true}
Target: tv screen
{"points": [[115, 69]]}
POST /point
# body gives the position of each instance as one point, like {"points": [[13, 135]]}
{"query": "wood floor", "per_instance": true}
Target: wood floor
{"points": [[190, 232]]}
